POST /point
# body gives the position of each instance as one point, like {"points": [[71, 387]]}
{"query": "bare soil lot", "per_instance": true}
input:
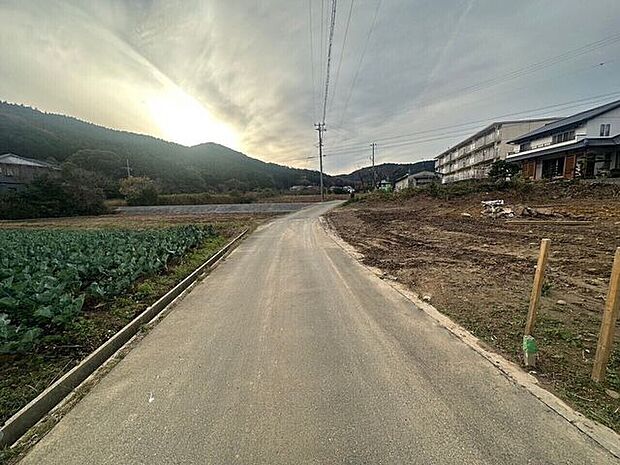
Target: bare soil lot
{"points": [[479, 271]]}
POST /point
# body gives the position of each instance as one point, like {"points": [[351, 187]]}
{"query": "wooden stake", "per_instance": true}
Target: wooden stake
{"points": [[608, 326], [537, 287]]}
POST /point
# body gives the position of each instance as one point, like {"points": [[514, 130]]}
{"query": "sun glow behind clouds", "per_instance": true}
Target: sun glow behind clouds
{"points": [[182, 119]]}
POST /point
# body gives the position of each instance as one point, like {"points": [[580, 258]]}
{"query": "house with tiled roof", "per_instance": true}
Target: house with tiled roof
{"points": [[584, 145]]}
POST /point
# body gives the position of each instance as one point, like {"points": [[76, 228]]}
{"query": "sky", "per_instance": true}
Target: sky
{"points": [[413, 76]]}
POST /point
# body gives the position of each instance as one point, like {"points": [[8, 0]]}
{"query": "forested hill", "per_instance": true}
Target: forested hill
{"points": [[34, 134], [388, 171]]}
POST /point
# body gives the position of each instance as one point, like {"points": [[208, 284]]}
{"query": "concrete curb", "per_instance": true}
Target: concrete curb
{"points": [[605, 437], [22, 421]]}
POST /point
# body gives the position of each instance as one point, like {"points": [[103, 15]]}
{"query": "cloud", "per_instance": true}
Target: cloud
{"points": [[246, 64]]}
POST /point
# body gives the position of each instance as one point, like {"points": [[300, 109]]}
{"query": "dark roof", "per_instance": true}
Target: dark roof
{"points": [[581, 144], [25, 161], [423, 174], [567, 122]]}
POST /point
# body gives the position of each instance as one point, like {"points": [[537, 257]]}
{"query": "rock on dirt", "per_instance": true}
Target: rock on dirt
{"points": [[612, 394]]}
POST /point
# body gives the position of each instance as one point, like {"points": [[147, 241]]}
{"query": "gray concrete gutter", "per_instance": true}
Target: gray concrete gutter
{"points": [[22, 421]]}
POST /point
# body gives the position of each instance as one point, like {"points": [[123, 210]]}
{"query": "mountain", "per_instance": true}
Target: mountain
{"points": [[57, 138], [363, 177], [34, 134]]}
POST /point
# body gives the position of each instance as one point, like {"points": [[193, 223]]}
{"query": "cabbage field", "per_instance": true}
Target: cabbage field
{"points": [[47, 275]]}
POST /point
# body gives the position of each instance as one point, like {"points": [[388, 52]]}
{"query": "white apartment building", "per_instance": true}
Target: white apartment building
{"points": [[472, 158]]}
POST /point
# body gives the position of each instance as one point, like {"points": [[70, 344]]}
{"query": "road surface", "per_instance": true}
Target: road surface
{"points": [[292, 353], [214, 208]]}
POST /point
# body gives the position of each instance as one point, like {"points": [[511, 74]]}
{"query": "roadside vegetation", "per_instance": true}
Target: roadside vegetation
{"points": [[73, 192], [478, 270], [68, 285]]}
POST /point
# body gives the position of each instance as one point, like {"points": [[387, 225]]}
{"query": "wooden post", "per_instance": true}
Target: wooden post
{"points": [[537, 287], [608, 326]]}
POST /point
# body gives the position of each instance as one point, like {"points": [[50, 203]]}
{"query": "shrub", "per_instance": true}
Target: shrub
{"points": [[139, 190], [501, 170], [75, 192]]}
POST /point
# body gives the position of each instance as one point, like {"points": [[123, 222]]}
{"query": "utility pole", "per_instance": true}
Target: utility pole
{"points": [[128, 169], [374, 170], [320, 127]]}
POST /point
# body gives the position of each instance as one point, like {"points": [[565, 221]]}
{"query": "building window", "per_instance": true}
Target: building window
{"points": [[605, 128], [526, 146], [553, 168], [563, 137]]}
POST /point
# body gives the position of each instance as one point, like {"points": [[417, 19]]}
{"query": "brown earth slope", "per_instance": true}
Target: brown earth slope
{"points": [[479, 271]]}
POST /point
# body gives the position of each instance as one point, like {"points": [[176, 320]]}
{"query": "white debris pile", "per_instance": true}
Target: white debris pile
{"points": [[497, 209]]}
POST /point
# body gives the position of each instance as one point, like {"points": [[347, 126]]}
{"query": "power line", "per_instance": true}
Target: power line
{"points": [[537, 66], [310, 24], [491, 82], [570, 104], [527, 69], [453, 134], [344, 41], [322, 34], [461, 132], [444, 136], [361, 60], [320, 126], [332, 25]]}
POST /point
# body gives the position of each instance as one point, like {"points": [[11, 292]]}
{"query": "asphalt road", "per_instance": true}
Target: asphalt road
{"points": [[214, 208], [291, 353]]}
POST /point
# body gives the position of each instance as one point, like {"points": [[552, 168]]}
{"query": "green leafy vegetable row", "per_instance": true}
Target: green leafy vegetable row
{"points": [[46, 275]]}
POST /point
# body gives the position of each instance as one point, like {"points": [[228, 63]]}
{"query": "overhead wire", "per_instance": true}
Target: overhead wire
{"points": [[462, 132], [310, 27], [360, 62], [322, 35], [537, 66], [344, 42], [445, 136], [520, 72], [332, 26], [482, 85], [568, 105]]}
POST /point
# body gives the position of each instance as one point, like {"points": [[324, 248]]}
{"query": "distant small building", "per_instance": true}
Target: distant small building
{"points": [[415, 180], [302, 189], [385, 186], [17, 171], [341, 189]]}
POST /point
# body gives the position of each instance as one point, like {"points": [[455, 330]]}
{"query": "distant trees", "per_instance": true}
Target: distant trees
{"points": [[74, 192], [139, 190]]}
